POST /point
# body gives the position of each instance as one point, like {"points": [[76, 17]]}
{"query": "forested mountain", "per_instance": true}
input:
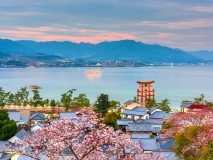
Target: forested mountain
{"points": [[114, 50]]}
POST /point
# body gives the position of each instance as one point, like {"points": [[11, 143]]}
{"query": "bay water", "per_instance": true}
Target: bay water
{"points": [[176, 83]]}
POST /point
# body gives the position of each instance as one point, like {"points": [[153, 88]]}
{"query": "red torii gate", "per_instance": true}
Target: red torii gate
{"points": [[145, 92]]}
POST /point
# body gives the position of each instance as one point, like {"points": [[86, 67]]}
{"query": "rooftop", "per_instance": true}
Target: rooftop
{"points": [[37, 116], [124, 121], [138, 136], [132, 112], [14, 115], [185, 105], [153, 121], [138, 127], [158, 115], [139, 109]]}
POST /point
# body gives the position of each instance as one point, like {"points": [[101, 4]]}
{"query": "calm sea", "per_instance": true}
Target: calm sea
{"points": [[176, 83]]}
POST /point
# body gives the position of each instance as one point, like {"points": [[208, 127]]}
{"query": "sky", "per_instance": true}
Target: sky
{"points": [[183, 24]]}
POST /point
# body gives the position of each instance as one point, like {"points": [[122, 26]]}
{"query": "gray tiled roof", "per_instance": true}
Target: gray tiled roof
{"points": [[21, 134], [158, 114], [153, 121], [152, 109], [138, 127], [38, 116], [186, 105], [166, 144], [24, 119], [149, 144], [138, 120], [124, 121], [138, 136], [14, 115], [139, 109], [130, 112]]}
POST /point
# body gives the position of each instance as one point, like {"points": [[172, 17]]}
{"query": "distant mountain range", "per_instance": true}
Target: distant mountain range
{"points": [[116, 50], [206, 55]]}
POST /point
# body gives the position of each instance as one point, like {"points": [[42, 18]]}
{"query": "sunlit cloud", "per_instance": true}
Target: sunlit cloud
{"points": [[76, 35], [198, 23]]}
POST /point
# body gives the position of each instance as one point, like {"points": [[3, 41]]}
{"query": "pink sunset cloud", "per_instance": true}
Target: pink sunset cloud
{"points": [[91, 39], [60, 34]]}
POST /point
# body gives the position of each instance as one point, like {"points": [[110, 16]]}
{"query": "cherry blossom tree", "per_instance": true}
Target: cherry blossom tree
{"points": [[86, 137], [196, 127]]}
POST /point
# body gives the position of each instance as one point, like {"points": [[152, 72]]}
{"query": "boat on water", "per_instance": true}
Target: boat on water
{"points": [[93, 72]]}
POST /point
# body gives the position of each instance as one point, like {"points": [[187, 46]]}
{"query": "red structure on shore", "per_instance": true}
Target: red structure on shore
{"points": [[145, 92]]}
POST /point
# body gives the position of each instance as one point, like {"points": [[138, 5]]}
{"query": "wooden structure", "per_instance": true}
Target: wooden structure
{"points": [[145, 92]]}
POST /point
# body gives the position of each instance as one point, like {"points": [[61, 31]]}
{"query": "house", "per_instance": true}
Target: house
{"points": [[138, 128], [19, 136], [153, 110], [166, 146], [35, 127], [130, 104], [190, 107], [140, 115], [131, 114], [123, 122], [153, 122], [157, 115], [140, 109], [148, 145], [15, 115], [38, 117]]}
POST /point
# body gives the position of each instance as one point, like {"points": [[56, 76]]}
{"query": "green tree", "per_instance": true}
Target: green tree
{"points": [[102, 104], [164, 105], [36, 99], [110, 119], [46, 102], [66, 99], [3, 97], [199, 100], [81, 101], [53, 103], [114, 105], [187, 136], [11, 99], [150, 103], [7, 127], [21, 97]]}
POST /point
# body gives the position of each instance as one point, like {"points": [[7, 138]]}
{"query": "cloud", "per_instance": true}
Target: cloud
{"points": [[167, 22], [50, 34]]}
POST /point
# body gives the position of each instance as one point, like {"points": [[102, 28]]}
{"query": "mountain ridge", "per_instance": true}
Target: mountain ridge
{"points": [[108, 50]]}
